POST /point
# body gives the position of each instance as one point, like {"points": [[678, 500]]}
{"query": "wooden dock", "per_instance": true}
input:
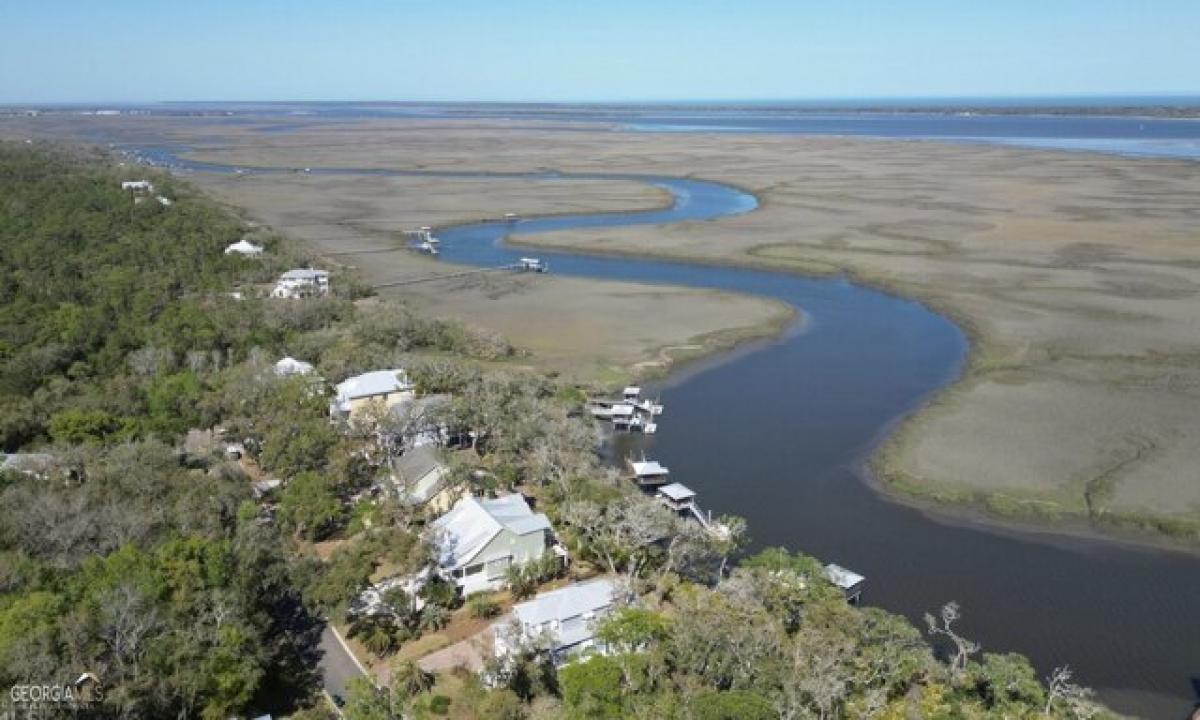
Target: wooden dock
{"points": [[450, 276]]}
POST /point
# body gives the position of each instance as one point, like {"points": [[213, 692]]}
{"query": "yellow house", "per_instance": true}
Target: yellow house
{"points": [[382, 388]]}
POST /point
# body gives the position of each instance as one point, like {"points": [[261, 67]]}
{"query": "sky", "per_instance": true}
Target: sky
{"points": [[132, 51]]}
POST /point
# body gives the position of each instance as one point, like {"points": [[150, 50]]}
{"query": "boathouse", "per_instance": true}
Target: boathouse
{"points": [[649, 473], [850, 582]]}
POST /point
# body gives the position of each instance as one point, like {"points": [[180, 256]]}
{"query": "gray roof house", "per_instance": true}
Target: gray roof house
{"points": [[562, 621], [479, 539], [302, 282], [419, 475]]}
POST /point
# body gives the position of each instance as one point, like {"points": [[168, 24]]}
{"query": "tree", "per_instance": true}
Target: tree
{"points": [[592, 688], [365, 701], [408, 679], [1008, 681], [943, 626], [309, 507], [1061, 691], [731, 705], [733, 537], [77, 425], [623, 532], [631, 630]]}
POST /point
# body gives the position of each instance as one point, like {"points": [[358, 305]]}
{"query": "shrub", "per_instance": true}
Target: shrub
{"points": [[483, 605]]}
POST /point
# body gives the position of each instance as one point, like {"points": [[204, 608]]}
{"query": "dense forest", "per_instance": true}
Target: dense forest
{"points": [[148, 559]]}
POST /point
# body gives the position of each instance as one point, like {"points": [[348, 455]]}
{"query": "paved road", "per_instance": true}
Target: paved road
{"points": [[338, 666]]}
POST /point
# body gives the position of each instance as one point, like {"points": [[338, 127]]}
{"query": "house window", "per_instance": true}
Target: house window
{"points": [[497, 568], [473, 569]]}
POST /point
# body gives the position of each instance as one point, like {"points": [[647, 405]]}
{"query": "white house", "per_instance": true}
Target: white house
{"points": [[304, 282], [385, 388], [479, 539], [244, 247], [562, 622], [289, 366], [138, 186]]}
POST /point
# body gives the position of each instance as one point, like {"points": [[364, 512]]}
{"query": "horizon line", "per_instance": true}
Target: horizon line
{"points": [[1039, 97]]}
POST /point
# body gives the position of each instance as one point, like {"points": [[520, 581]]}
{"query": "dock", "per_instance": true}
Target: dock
{"points": [[681, 500], [518, 267], [628, 413]]}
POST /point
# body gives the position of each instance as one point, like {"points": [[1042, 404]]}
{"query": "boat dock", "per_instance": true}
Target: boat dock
{"points": [[850, 582], [629, 413], [681, 499], [517, 267]]}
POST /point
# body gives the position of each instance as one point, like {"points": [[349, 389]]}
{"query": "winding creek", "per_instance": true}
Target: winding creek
{"points": [[778, 433]]}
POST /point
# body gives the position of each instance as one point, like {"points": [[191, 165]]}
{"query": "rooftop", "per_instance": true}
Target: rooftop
{"points": [[643, 468], [843, 578], [305, 274], [568, 602], [473, 522], [418, 463], [376, 382], [677, 492]]}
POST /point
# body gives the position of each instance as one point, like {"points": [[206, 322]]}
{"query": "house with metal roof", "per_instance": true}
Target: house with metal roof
{"points": [[649, 472], [480, 538], [138, 186], [304, 282], [385, 388], [562, 622]]}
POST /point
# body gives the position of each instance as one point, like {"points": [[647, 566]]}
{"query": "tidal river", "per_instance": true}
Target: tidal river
{"points": [[778, 433]]}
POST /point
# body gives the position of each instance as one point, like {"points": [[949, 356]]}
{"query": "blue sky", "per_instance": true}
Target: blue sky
{"points": [[567, 50]]}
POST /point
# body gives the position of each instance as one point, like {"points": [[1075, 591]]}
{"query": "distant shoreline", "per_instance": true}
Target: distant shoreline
{"points": [[1182, 108]]}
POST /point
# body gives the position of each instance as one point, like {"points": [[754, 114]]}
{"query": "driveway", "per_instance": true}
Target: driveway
{"points": [[338, 666], [468, 653]]}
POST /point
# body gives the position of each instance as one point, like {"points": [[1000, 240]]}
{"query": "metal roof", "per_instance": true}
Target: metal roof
{"points": [[304, 274], [417, 463], [472, 523], [843, 578], [376, 382], [649, 467], [677, 491], [568, 602]]}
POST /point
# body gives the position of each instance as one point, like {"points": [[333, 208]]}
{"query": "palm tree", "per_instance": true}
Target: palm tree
{"points": [[376, 633], [409, 680]]}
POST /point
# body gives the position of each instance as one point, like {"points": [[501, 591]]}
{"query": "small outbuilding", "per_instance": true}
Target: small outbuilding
{"points": [[850, 582], [245, 248], [649, 473]]}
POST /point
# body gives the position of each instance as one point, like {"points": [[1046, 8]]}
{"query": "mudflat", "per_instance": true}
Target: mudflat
{"points": [[1076, 276]]}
